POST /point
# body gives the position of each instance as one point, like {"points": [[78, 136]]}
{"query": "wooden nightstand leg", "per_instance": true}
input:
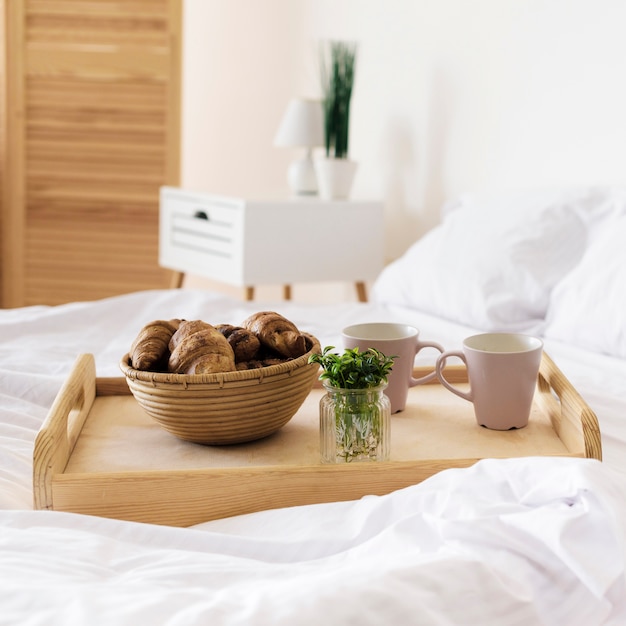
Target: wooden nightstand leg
{"points": [[250, 293], [360, 291], [176, 280], [287, 292]]}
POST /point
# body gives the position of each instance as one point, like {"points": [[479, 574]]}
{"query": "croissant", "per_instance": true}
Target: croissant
{"points": [[245, 344], [185, 329], [277, 333], [198, 348], [149, 350], [258, 363]]}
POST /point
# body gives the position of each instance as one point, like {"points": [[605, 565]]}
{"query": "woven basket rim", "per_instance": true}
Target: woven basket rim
{"points": [[258, 374]]}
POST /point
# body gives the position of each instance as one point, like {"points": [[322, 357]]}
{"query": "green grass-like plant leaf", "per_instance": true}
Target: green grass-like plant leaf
{"points": [[338, 62]]}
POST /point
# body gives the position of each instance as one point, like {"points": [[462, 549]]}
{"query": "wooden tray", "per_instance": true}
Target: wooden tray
{"points": [[98, 453]]}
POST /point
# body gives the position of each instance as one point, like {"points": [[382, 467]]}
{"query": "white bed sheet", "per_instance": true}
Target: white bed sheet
{"points": [[518, 541]]}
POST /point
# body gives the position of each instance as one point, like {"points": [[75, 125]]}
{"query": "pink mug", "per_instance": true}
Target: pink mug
{"points": [[502, 370], [399, 340]]}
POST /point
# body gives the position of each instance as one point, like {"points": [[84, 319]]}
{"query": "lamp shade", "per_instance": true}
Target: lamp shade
{"points": [[302, 125]]}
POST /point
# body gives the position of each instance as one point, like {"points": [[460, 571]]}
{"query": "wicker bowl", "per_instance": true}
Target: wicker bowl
{"points": [[225, 408]]}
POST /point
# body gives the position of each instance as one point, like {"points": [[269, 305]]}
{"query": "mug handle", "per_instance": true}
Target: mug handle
{"points": [[439, 367], [433, 374]]}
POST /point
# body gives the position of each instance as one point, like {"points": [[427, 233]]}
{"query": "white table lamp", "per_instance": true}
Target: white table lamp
{"points": [[302, 126]]}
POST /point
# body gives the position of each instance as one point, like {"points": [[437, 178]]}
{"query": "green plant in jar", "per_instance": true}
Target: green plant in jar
{"points": [[354, 413]]}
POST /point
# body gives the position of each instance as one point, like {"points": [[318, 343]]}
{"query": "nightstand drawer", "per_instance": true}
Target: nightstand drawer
{"points": [[196, 232]]}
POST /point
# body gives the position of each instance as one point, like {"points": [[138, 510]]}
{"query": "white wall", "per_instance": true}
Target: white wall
{"points": [[450, 96]]}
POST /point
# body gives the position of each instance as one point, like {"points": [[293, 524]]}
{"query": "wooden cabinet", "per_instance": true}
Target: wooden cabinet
{"points": [[90, 132]]}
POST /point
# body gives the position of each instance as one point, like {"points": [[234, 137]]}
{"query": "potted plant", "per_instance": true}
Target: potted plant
{"points": [[355, 413], [336, 172]]}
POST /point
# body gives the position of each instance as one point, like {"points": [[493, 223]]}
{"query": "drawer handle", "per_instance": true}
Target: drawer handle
{"points": [[201, 215]]}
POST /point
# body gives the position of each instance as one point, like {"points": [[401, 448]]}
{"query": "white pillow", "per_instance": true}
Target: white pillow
{"points": [[588, 307], [518, 203], [490, 267]]}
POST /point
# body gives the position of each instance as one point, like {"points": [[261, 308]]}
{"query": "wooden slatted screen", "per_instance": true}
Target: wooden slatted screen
{"points": [[3, 139], [96, 93]]}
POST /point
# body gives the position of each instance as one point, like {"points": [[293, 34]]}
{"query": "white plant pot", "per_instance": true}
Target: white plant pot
{"points": [[335, 177]]}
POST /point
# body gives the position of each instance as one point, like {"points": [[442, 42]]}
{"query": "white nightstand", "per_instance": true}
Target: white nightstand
{"points": [[246, 242]]}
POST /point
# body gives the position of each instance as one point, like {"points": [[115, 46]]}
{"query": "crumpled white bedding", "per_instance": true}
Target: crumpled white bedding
{"points": [[517, 541], [506, 542]]}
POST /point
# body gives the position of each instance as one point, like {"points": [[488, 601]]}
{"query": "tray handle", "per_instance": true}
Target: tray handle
{"points": [[60, 430], [572, 419]]}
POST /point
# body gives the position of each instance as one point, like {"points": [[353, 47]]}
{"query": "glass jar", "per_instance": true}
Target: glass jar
{"points": [[355, 425]]}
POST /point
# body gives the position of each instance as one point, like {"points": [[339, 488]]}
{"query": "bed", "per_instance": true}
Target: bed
{"points": [[539, 540]]}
